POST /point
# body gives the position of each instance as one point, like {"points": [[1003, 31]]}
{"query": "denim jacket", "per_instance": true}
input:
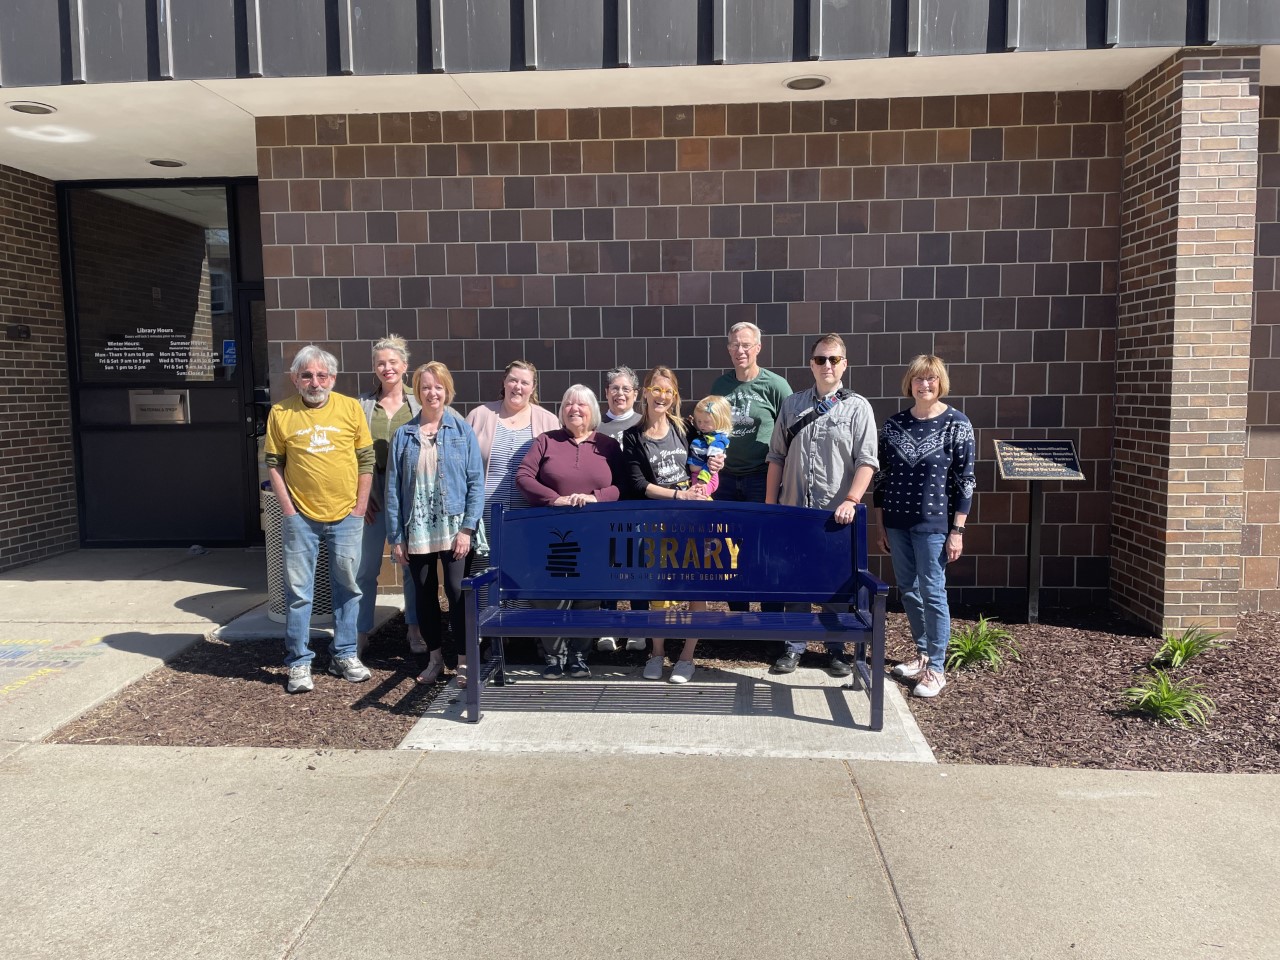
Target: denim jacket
{"points": [[461, 473]]}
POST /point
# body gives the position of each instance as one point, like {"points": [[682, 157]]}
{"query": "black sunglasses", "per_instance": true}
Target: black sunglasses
{"points": [[834, 361]]}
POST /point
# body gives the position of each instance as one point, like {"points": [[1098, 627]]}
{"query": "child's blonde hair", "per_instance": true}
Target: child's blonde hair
{"points": [[718, 409]]}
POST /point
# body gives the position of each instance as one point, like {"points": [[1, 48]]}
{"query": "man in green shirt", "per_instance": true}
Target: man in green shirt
{"points": [[755, 396]]}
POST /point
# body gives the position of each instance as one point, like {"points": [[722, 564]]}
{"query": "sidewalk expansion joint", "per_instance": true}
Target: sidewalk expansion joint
{"points": [[884, 863], [359, 848]]}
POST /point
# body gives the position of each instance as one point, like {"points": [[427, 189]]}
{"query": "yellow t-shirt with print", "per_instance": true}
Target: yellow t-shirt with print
{"points": [[324, 450]]}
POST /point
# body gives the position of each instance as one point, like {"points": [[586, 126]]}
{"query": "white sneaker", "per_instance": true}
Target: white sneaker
{"points": [[653, 668], [636, 643], [349, 669], [300, 679], [681, 672], [607, 644], [930, 685], [910, 669]]}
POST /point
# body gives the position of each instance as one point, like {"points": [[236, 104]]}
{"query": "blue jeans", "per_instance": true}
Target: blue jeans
{"points": [[373, 541], [920, 567], [302, 537]]}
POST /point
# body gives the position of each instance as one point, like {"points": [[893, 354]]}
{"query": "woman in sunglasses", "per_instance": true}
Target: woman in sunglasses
{"points": [[822, 455], [924, 490]]}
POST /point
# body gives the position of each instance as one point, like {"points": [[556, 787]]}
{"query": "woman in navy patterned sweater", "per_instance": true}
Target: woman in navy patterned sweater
{"points": [[924, 489]]}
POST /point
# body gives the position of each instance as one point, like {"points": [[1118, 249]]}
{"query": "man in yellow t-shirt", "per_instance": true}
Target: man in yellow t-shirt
{"points": [[320, 457]]}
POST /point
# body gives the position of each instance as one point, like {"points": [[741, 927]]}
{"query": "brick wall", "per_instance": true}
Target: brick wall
{"points": [[1260, 536], [1182, 350], [37, 472], [984, 229]]}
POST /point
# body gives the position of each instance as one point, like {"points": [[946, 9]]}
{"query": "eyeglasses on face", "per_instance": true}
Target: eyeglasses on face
{"points": [[740, 346], [833, 360], [317, 377], [660, 392], [620, 388], [933, 379]]}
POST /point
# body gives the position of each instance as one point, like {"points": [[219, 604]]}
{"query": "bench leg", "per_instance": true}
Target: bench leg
{"points": [[877, 664], [475, 671]]}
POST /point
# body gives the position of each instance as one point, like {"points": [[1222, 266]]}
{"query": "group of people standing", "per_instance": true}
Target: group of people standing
{"points": [[409, 471]]}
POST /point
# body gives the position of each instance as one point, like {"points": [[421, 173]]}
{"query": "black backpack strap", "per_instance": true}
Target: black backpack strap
{"points": [[811, 415]]}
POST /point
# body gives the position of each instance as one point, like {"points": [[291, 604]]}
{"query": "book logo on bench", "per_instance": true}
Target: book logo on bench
{"points": [[562, 555]]}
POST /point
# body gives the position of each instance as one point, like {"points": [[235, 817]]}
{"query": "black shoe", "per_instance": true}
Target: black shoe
{"points": [[838, 667], [578, 668], [553, 671], [786, 663]]}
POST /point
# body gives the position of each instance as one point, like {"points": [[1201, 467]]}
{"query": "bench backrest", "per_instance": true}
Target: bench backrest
{"points": [[659, 550]]}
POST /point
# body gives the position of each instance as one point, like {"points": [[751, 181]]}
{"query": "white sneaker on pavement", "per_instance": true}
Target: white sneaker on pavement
{"points": [[636, 643], [681, 672], [653, 668], [607, 644]]}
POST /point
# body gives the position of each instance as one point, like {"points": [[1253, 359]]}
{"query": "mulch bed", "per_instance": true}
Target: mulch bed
{"points": [[1058, 706]]}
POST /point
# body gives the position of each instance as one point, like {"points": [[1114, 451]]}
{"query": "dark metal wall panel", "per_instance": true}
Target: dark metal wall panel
{"points": [[1147, 23], [287, 38], [30, 44], [657, 33], [1244, 21], [197, 39], [564, 34], [377, 36], [940, 27], [114, 37], [1037, 25], [471, 35], [754, 31], [850, 29]]}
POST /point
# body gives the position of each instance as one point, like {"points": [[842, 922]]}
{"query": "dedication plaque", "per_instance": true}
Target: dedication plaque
{"points": [[1038, 460]]}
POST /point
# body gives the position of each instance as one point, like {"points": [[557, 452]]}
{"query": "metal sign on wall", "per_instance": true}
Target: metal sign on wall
{"points": [[1038, 460]]}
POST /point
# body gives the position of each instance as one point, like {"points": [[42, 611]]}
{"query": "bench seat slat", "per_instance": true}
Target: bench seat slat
{"points": [[674, 625]]}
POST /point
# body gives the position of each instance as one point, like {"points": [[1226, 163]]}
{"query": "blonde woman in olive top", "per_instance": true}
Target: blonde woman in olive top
{"points": [[387, 407]]}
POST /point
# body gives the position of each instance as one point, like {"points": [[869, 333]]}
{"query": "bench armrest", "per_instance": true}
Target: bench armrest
{"points": [[480, 579], [871, 582]]}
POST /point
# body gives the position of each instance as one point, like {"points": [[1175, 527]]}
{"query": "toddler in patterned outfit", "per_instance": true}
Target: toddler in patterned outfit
{"points": [[712, 424]]}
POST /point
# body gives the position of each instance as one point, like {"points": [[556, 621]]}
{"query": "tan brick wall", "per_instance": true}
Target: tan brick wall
{"points": [[1182, 353], [37, 471]]}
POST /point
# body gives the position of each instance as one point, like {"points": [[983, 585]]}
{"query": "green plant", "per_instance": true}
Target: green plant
{"points": [[1173, 701], [986, 642], [1178, 648]]}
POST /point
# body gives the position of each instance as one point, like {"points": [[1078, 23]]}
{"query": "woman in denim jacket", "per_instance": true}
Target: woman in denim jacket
{"points": [[435, 496]]}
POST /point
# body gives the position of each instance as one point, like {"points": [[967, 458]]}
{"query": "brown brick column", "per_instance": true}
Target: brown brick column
{"points": [[1182, 346]]}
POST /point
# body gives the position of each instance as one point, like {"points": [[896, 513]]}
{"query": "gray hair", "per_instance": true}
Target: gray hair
{"points": [[583, 394], [622, 371], [312, 354], [746, 325], [393, 342]]}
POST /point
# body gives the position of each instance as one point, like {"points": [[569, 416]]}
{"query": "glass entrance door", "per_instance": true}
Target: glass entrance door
{"points": [[163, 377]]}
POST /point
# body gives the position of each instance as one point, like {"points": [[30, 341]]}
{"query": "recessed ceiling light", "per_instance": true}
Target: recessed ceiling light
{"points": [[167, 163], [811, 82], [31, 107]]}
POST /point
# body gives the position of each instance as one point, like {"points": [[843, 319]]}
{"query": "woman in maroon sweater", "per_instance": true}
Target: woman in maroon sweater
{"points": [[571, 467]]}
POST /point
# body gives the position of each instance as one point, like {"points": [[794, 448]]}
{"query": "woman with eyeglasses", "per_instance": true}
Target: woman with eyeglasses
{"points": [[656, 451], [924, 490], [505, 429], [822, 455]]}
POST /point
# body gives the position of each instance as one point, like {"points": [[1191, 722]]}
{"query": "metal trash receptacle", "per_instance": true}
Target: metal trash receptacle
{"points": [[277, 603]]}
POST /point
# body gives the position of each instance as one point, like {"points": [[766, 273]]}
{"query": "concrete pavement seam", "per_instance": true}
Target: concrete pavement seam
{"points": [[291, 949], [884, 863]]}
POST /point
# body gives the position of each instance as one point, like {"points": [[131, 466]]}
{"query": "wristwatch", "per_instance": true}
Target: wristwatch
{"points": [[958, 529]]}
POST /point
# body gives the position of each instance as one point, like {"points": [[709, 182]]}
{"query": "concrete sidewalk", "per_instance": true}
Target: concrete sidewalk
{"points": [[136, 852]]}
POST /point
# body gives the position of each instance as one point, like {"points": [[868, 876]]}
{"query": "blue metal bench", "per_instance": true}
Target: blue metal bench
{"points": [[659, 550]]}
